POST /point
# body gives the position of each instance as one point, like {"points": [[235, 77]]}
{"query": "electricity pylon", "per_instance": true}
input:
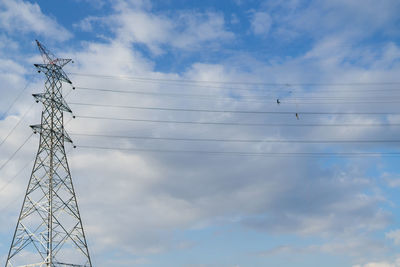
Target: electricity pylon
{"points": [[49, 231]]}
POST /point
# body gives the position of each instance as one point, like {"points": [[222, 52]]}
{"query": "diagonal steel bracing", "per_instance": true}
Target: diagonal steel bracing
{"points": [[49, 231]]}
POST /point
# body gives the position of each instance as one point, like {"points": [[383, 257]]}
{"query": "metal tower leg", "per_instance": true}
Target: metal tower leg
{"points": [[49, 230]]}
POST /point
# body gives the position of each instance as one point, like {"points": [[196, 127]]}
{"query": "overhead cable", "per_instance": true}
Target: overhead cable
{"points": [[262, 154], [233, 111], [16, 125], [238, 140], [245, 124], [7, 183], [255, 98], [17, 97], [235, 82], [15, 153]]}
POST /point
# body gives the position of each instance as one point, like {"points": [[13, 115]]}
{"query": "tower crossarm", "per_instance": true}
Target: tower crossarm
{"points": [[50, 58], [60, 103], [62, 134], [49, 228], [54, 70]]}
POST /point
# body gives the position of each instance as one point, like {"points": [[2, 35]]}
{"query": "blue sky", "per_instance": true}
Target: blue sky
{"points": [[196, 210]]}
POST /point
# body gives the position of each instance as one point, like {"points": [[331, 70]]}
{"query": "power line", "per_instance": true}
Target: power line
{"points": [[42, 230], [13, 179], [18, 97], [292, 89], [15, 153], [234, 111], [214, 86], [311, 95], [246, 124], [235, 140], [17, 124], [21, 119], [169, 94], [18, 173], [370, 98], [233, 82], [262, 154], [15, 176], [8, 182], [253, 98]]}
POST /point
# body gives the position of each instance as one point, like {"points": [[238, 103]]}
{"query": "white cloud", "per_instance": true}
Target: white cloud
{"points": [[234, 19], [261, 23], [136, 201], [392, 179], [319, 19], [356, 246], [170, 192], [394, 235], [87, 23], [187, 30], [21, 16], [396, 263], [98, 4]]}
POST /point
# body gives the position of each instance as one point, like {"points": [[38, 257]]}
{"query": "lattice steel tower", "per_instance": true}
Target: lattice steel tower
{"points": [[49, 231]]}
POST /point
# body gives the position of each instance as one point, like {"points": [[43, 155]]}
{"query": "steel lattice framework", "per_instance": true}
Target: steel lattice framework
{"points": [[49, 231]]}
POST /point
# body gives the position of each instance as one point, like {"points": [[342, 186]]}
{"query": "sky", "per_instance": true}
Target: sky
{"points": [[335, 63]]}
